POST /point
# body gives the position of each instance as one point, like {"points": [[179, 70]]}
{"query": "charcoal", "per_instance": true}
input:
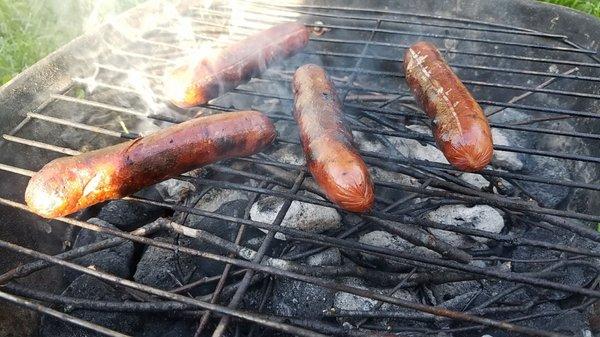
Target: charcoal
{"points": [[347, 301], [303, 216], [502, 159], [567, 322], [328, 257], [160, 267], [447, 291], [292, 298], [175, 190], [481, 217], [116, 260], [221, 228], [547, 167], [573, 275], [386, 240], [417, 150], [537, 166], [161, 326], [89, 287], [492, 288], [215, 198], [128, 215], [457, 303], [287, 153]]}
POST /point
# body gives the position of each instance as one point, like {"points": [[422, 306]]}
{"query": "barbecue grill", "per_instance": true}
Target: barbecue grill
{"points": [[534, 69]]}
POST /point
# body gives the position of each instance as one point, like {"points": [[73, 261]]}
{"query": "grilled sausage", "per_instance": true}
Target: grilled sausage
{"points": [[68, 184], [216, 74], [330, 155], [460, 128]]}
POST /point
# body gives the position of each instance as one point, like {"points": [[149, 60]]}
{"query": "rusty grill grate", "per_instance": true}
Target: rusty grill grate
{"points": [[362, 50]]}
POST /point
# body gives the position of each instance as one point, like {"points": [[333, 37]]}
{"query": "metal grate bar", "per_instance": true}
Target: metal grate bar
{"points": [[413, 162], [408, 33], [225, 27], [291, 196], [388, 11], [314, 280], [396, 20], [57, 314], [437, 186]]}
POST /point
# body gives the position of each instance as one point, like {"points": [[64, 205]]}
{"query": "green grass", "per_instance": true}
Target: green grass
{"points": [[31, 29], [587, 6]]}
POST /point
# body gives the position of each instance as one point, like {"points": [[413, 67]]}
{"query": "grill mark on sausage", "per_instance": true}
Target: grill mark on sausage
{"points": [[451, 124]]}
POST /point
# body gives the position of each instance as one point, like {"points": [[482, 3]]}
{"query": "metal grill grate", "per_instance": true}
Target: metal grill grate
{"points": [[360, 47]]}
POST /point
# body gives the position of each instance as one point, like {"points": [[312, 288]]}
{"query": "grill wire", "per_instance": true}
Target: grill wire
{"points": [[436, 180]]}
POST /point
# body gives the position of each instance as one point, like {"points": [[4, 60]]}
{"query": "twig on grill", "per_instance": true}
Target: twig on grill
{"points": [[424, 317], [204, 280], [245, 283], [223, 279], [529, 93], [419, 237]]}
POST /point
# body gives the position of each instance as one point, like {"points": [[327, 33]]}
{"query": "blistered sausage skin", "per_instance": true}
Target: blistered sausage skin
{"points": [[213, 75], [68, 184], [460, 127], [330, 155]]}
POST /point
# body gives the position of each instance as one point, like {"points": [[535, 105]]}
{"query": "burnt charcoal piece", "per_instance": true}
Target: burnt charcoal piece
{"points": [[161, 326], [538, 166], [115, 260], [292, 298], [492, 288], [574, 274], [221, 228], [89, 287], [128, 215], [568, 323], [160, 268], [552, 168], [447, 291]]}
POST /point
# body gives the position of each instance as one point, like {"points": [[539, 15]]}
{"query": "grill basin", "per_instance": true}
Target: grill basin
{"points": [[534, 69]]}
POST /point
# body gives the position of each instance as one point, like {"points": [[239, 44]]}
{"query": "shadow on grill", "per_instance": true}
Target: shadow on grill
{"points": [[250, 245]]}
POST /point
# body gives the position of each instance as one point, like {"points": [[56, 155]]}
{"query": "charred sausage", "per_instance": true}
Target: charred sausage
{"points": [[216, 74], [330, 155], [68, 184], [460, 127]]}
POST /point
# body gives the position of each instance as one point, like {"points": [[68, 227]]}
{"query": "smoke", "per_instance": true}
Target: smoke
{"points": [[140, 46]]}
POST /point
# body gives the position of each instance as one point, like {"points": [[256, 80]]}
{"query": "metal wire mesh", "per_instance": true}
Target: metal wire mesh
{"points": [[359, 48]]}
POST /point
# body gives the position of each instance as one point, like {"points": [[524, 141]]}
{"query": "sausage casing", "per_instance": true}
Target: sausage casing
{"points": [[460, 127], [332, 159], [68, 184], [216, 74]]}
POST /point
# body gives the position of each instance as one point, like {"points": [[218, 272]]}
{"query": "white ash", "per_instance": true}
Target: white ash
{"points": [[414, 149], [504, 159], [174, 190], [387, 240], [216, 197], [481, 217], [475, 179], [329, 257], [347, 301], [289, 154], [365, 142], [303, 216], [379, 174]]}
